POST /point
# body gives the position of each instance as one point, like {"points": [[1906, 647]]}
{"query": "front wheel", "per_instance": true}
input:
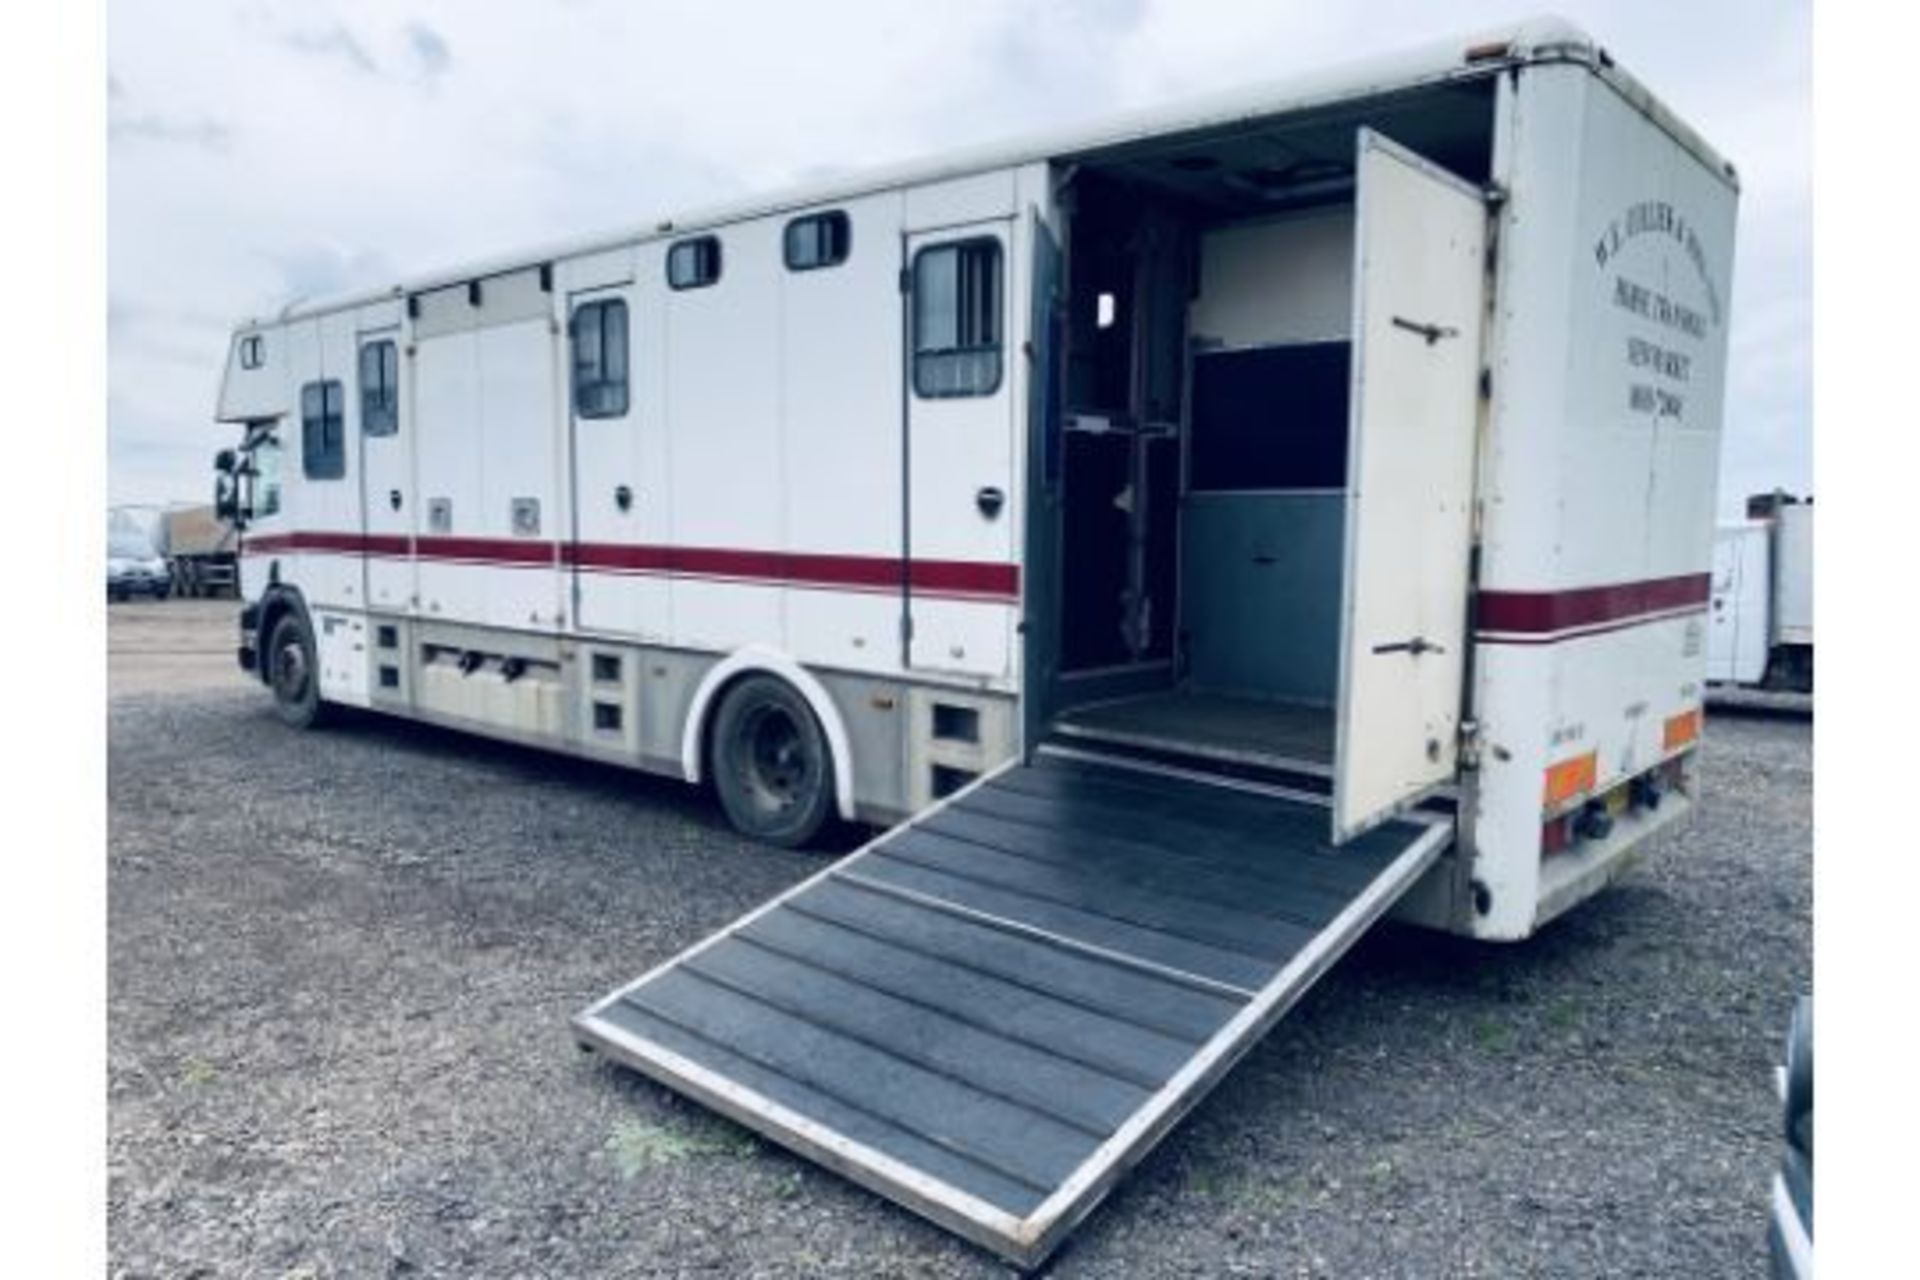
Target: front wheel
{"points": [[770, 763], [292, 673]]}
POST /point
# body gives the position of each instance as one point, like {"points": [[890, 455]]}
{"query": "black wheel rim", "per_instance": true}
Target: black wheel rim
{"points": [[290, 670], [773, 759]]}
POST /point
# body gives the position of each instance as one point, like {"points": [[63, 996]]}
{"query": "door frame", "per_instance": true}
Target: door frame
{"points": [[395, 332], [1002, 229], [572, 299]]}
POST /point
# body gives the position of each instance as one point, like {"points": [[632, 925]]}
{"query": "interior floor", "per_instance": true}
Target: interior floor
{"points": [[1214, 726]]}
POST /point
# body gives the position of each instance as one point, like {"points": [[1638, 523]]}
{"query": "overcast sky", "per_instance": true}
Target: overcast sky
{"points": [[260, 151]]}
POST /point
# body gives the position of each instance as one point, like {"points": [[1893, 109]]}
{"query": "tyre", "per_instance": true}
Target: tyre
{"points": [[293, 674], [770, 763]]}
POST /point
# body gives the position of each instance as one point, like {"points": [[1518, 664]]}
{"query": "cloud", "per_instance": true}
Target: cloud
{"points": [[333, 42], [431, 53], [209, 135], [126, 125], [291, 147]]}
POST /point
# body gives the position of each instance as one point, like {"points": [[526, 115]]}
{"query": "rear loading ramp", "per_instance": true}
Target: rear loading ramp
{"points": [[992, 1011]]}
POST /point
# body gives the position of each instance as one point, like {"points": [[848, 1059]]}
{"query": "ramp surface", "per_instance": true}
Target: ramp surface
{"points": [[992, 1011]]}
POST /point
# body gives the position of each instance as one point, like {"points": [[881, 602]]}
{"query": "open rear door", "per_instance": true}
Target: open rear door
{"points": [[1419, 280]]}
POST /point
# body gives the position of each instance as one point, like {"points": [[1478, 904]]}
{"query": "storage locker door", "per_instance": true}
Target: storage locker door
{"points": [[1419, 279]]}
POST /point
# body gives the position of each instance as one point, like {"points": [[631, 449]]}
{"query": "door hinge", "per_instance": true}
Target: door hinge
{"points": [[1469, 744], [906, 280], [906, 626]]}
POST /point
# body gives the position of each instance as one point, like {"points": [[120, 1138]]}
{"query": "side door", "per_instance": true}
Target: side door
{"points": [[386, 469], [960, 564], [617, 552], [1419, 300]]}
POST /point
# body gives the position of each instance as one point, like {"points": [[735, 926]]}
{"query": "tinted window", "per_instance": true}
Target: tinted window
{"points": [[380, 388], [323, 444], [600, 359], [956, 319], [823, 240], [694, 264]]}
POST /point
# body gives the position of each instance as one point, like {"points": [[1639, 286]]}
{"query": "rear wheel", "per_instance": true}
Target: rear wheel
{"points": [[293, 674], [770, 763]]}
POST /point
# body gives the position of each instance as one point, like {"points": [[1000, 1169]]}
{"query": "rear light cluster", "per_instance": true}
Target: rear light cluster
{"points": [[1594, 819]]}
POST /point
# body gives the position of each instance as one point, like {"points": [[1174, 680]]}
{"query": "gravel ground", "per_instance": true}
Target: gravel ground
{"points": [[342, 963]]}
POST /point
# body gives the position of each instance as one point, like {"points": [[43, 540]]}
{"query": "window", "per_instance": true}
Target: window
{"points": [[263, 477], [253, 351], [694, 264], [323, 443], [956, 320], [380, 388], [600, 359], [1270, 418], [822, 240]]}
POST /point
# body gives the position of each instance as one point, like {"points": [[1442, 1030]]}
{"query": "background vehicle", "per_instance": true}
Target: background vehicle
{"points": [[134, 568], [1259, 483], [201, 550], [1790, 1223], [1761, 624]]}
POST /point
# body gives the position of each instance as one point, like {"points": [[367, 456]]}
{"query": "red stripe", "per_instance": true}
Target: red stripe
{"points": [[809, 569], [485, 550], [1545, 613]]}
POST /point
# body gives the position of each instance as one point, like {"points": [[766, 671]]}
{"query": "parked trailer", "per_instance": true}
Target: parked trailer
{"points": [[202, 551], [1761, 619], [1203, 533]]}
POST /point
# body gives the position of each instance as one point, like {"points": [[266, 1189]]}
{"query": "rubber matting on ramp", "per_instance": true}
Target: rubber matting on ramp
{"points": [[991, 1011]]}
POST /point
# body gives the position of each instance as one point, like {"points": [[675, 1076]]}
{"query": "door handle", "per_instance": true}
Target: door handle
{"points": [[1431, 332], [1414, 647], [623, 498], [393, 499], [989, 499]]}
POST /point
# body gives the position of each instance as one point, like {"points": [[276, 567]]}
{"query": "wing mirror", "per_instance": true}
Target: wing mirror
{"points": [[226, 489]]}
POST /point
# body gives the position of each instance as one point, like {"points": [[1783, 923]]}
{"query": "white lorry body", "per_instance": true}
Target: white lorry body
{"points": [[1793, 574], [1761, 620], [1740, 621], [1363, 428]]}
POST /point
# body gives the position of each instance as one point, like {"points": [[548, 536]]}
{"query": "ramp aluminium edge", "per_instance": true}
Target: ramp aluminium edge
{"points": [[1053, 922]]}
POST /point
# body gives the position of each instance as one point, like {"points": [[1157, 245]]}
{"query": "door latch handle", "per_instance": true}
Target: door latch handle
{"points": [[1431, 332], [393, 499], [623, 498], [989, 499], [1414, 647]]}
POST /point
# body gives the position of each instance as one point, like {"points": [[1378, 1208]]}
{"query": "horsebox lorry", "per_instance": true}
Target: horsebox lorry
{"points": [[1202, 533]]}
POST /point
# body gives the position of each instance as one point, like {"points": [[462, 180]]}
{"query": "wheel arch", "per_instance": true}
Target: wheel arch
{"points": [[761, 659]]}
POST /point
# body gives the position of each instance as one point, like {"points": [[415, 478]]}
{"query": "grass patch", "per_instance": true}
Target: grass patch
{"points": [[636, 1146], [1492, 1036], [1564, 1014]]}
